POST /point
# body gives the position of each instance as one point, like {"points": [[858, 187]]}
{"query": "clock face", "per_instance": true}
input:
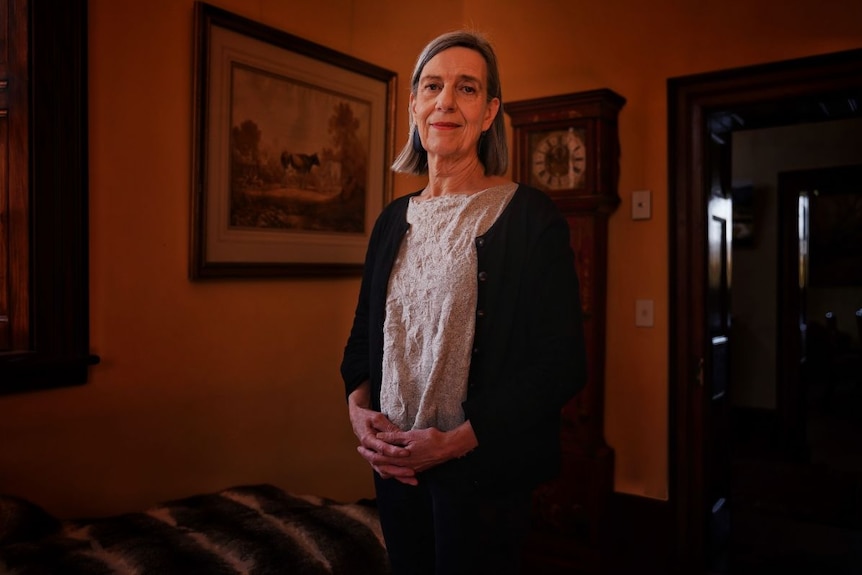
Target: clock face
{"points": [[558, 159]]}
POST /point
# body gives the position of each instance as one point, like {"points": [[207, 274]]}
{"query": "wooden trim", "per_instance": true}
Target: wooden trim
{"points": [[691, 100], [56, 352], [14, 146]]}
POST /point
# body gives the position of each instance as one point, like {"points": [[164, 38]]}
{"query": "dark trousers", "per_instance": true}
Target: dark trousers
{"points": [[439, 529]]}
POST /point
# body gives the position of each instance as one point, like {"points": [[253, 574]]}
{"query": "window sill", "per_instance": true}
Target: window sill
{"points": [[27, 372]]}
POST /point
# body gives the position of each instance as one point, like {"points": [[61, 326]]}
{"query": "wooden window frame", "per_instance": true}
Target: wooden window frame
{"points": [[47, 267]]}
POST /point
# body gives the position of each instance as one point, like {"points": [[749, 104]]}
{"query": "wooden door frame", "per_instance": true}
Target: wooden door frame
{"points": [[691, 102]]}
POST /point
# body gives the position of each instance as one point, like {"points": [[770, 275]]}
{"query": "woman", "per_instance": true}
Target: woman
{"points": [[467, 339]]}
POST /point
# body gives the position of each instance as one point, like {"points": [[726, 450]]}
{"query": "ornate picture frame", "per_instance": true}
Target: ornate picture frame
{"points": [[292, 143]]}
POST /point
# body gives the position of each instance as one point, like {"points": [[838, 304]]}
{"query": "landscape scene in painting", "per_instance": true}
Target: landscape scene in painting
{"points": [[298, 155]]}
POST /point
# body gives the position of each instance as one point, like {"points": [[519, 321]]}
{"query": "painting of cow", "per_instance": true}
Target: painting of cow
{"points": [[300, 164]]}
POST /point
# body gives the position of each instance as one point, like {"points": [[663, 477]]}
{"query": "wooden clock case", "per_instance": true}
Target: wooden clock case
{"points": [[570, 512]]}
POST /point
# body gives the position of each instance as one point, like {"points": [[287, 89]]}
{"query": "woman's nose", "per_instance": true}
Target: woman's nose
{"points": [[446, 98]]}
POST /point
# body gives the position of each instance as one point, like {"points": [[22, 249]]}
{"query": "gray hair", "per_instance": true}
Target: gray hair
{"points": [[492, 148]]}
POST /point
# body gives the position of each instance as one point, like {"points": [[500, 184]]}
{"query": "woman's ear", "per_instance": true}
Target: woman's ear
{"points": [[490, 113]]}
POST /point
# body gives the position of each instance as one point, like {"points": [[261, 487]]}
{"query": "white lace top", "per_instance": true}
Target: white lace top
{"points": [[431, 307]]}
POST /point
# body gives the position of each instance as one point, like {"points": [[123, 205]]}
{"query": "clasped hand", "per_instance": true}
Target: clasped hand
{"points": [[394, 453]]}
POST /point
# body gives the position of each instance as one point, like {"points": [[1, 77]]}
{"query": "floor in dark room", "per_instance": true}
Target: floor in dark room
{"points": [[801, 516]]}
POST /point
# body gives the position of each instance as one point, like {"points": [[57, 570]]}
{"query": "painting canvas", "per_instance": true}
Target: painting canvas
{"points": [[836, 239], [285, 172], [293, 142]]}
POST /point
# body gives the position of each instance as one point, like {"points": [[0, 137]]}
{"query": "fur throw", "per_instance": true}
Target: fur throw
{"points": [[254, 530]]}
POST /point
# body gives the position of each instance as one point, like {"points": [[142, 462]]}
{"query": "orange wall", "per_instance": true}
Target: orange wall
{"points": [[205, 385]]}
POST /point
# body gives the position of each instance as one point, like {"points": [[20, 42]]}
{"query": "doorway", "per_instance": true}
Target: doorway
{"points": [[704, 113]]}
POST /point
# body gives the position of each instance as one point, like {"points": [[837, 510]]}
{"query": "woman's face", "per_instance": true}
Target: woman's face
{"points": [[450, 107]]}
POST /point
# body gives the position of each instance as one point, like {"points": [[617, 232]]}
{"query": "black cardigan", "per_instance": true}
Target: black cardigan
{"points": [[529, 355]]}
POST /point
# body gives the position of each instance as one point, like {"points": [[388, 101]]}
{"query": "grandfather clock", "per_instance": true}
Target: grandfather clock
{"points": [[568, 146]]}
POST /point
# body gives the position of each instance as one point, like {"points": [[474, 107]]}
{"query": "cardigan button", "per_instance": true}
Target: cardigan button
{"points": [[483, 276], [480, 313], [480, 242]]}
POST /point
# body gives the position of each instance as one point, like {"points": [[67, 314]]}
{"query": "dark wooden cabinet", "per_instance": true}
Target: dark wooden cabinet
{"points": [[570, 512]]}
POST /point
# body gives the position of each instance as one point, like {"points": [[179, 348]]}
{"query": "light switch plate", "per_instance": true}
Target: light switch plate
{"points": [[644, 313], [641, 205]]}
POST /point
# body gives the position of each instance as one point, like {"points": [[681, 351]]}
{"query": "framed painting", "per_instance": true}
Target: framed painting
{"points": [[835, 242], [291, 149]]}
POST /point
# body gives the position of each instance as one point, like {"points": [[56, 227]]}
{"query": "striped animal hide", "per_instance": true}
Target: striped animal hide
{"points": [[254, 530]]}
